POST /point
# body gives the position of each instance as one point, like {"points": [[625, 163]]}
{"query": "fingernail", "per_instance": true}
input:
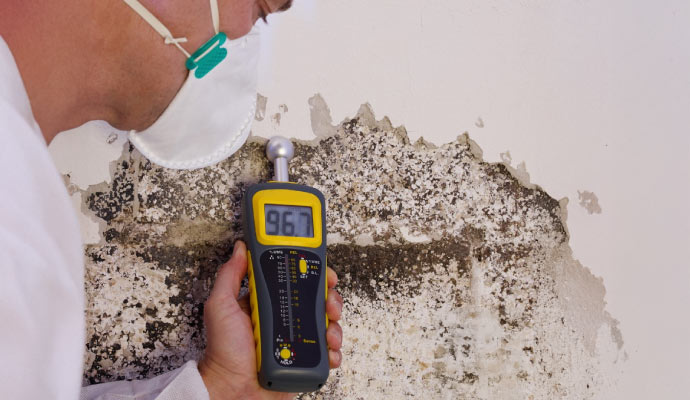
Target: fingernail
{"points": [[236, 248], [336, 356], [338, 335]]}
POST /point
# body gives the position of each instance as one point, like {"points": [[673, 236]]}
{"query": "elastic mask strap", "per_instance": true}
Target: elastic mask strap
{"points": [[214, 15], [163, 31]]}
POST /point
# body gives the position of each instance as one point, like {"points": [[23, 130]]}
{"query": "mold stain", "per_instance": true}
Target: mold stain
{"points": [[589, 202], [489, 303]]}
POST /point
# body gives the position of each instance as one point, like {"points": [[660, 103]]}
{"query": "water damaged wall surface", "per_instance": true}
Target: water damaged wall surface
{"points": [[457, 277]]}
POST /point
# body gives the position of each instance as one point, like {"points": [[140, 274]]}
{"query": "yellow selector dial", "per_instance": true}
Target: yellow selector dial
{"points": [[285, 353], [302, 266]]}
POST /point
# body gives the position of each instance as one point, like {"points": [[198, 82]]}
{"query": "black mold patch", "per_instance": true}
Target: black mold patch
{"points": [[109, 204], [528, 198], [364, 269], [166, 233]]}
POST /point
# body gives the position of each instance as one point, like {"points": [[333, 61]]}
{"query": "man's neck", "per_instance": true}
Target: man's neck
{"points": [[54, 48]]}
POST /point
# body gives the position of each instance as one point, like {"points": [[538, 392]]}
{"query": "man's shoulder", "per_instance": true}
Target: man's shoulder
{"points": [[14, 101], [38, 224], [32, 193], [22, 148]]}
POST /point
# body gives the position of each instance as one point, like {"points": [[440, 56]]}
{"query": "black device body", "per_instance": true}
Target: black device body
{"points": [[273, 270]]}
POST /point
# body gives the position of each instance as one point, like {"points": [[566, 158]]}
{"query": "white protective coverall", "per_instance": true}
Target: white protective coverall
{"points": [[42, 273]]}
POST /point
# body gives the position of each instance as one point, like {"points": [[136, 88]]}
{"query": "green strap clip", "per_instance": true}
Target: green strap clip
{"points": [[208, 56]]}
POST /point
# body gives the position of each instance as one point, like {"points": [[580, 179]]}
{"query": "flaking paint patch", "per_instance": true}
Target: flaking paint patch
{"points": [[507, 158], [275, 118], [589, 201], [320, 114], [102, 142], [490, 304], [261, 102]]}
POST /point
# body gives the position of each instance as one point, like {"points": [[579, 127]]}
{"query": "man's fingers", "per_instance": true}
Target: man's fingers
{"points": [[230, 275], [334, 358], [244, 304], [334, 336], [332, 278], [334, 305]]}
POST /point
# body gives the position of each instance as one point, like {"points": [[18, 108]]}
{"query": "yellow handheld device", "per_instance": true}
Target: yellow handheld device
{"points": [[285, 230]]}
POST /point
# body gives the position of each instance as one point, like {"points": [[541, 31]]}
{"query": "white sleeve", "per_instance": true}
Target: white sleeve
{"points": [[41, 270], [184, 383], [42, 274]]}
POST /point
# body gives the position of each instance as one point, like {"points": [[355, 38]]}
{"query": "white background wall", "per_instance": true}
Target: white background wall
{"points": [[591, 95]]}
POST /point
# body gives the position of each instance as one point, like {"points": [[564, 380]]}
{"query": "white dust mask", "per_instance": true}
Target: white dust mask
{"points": [[210, 117]]}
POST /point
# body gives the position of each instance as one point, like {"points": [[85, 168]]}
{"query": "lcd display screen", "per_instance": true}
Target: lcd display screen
{"points": [[288, 220]]}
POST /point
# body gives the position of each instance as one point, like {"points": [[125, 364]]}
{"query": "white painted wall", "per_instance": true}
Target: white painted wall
{"points": [[591, 95]]}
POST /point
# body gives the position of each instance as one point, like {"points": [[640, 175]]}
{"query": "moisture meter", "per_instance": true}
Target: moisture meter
{"points": [[285, 231]]}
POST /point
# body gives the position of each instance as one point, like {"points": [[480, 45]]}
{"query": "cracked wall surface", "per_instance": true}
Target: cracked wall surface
{"points": [[456, 273]]}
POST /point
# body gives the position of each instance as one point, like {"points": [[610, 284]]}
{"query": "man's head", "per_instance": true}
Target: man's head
{"points": [[190, 19], [82, 61]]}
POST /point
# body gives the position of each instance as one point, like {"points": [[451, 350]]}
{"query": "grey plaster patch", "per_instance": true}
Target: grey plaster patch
{"points": [[275, 118], [589, 202], [111, 138], [320, 114], [479, 123], [506, 157], [261, 102], [71, 187], [521, 173], [457, 276]]}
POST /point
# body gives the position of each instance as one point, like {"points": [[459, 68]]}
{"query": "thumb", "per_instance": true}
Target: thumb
{"points": [[230, 275]]}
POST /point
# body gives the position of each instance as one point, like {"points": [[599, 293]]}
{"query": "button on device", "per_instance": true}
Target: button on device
{"points": [[285, 353], [302, 266]]}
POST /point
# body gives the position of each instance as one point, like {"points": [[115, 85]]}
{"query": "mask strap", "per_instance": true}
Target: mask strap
{"points": [[160, 28], [214, 15]]}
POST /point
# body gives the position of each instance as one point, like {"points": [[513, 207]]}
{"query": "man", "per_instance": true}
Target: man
{"points": [[63, 63]]}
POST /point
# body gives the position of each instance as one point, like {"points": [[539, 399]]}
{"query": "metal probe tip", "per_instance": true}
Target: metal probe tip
{"points": [[280, 150]]}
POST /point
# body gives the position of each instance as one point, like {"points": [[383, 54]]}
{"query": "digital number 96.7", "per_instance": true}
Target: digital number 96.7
{"points": [[288, 223]]}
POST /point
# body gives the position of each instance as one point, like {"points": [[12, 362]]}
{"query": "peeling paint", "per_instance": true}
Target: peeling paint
{"points": [[103, 142], [261, 102], [457, 275], [320, 114], [275, 118], [111, 138], [88, 225], [506, 158], [589, 202], [521, 173]]}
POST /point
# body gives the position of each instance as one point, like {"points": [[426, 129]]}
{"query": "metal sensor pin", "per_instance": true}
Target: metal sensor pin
{"points": [[280, 150]]}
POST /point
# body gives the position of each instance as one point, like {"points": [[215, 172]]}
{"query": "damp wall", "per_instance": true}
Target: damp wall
{"points": [[542, 254]]}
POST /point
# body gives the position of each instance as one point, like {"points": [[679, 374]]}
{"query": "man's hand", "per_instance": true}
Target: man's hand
{"points": [[229, 364]]}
